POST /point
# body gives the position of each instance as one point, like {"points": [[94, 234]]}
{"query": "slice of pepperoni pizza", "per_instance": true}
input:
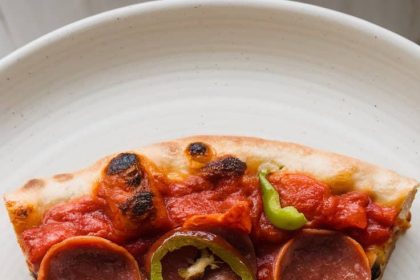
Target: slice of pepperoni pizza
{"points": [[213, 207]]}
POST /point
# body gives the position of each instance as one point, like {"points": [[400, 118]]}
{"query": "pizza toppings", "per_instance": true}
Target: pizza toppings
{"points": [[236, 218], [353, 213], [287, 218], [219, 206], [213, 251], [242, 242], [84, 216], [380, 222], [88, 258], [320, 254]]}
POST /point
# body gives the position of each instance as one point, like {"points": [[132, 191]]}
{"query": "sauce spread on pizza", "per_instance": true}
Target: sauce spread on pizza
{"points": [[135, 204]]}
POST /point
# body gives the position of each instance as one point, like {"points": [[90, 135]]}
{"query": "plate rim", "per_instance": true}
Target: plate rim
{"points": [[360, 25]]}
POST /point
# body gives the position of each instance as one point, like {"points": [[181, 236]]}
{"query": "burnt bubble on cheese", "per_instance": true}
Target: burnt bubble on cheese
{"points": [[131, 192], [88, 258]]}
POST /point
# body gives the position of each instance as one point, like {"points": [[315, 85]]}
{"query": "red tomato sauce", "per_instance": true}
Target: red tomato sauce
{"points": [[198, 200], [353, 213], [84, 216]]}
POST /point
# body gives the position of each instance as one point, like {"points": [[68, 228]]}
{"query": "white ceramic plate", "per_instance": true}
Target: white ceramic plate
{"points": [[161, 70]]}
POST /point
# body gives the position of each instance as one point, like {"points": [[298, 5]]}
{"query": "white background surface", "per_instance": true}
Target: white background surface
{"points": [[24, 20], [316, 78]]}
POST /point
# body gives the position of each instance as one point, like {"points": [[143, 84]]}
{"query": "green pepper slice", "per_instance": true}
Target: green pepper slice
{"points": [[201, 240], [288, 218]]}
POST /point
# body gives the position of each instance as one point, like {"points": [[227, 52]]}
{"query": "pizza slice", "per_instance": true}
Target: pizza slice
{"points": [[213, 207]]}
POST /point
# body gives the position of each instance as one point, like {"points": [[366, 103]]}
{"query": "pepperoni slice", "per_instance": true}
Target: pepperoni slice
{"points": [[88, 257], [321, 254]]}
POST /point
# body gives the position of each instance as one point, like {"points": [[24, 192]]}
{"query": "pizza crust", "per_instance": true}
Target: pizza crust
{"points": [[27, 205]]}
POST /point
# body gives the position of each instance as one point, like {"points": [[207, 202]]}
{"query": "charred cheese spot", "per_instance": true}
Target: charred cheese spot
{"points": [[23, 216], [126, 165], [121, 163], [197, 149], [140, 205], [199, 152], [223, 168], [22, 212]]}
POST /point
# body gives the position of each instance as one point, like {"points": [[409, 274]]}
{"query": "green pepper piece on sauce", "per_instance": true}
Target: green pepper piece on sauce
{"points": [[287, 218], [203, 241]]}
